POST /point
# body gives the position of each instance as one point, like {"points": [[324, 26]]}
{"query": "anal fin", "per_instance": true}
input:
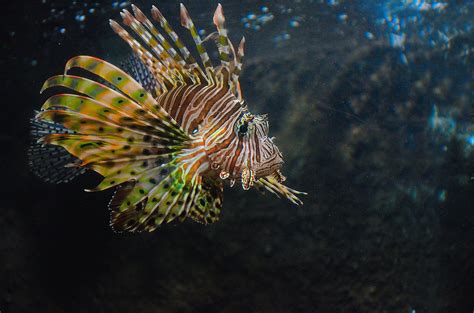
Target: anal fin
{"points": [[163, 195], [208, 202]]}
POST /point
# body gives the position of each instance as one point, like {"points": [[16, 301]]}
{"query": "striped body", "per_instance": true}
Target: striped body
{"points": [[212, 112], [167, 138]]}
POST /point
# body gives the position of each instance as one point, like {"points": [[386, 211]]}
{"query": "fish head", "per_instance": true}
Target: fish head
{"points": [[243, 151], [261, 156]]}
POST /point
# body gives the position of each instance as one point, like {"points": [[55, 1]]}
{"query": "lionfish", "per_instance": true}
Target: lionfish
{"points": [[167, 132]]}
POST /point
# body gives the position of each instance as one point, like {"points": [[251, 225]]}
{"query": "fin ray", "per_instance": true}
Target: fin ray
{"points": [[271, 184]]}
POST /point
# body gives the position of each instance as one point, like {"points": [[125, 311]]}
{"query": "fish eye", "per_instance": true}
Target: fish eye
{"points": [[243, 128]]}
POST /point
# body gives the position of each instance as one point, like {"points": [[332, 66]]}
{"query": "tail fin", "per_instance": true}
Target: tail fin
{"points": [[51, 163]]}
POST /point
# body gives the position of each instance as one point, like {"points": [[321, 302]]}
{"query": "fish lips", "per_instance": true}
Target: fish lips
{"points": [[267, 171]]}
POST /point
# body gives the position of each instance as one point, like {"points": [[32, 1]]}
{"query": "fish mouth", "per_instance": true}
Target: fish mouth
{"points": [[269, 171], [249, 176]]}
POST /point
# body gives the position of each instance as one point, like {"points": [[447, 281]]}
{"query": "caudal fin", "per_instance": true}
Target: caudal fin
{"points": [[53, 164]]}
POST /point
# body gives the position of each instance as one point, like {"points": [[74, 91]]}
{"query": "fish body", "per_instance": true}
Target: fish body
{"points": [[167, 134]]}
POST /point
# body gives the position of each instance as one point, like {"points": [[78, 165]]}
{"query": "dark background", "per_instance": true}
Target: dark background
{"points": [[388, 225]]}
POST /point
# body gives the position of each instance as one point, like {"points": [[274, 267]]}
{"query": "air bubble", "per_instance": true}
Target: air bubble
{"points": [[80, 17], [294, 23]]}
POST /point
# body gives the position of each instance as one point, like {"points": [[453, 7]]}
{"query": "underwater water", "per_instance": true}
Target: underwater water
{"points": [[372, 105]]}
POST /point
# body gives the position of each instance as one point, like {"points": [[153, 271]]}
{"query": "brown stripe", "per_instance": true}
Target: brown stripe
{"points": [[220, 146], [225, 118], [236, 156], [257, 148], [206, 106], [164, 100], [194, 105], [176, 100], [187, 101]]}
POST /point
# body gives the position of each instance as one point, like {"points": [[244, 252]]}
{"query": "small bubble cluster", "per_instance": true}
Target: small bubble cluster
{"points": [[257, 20], [278, 39], [397, 22], [295, 21], [120, 5], [80, 11]]}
